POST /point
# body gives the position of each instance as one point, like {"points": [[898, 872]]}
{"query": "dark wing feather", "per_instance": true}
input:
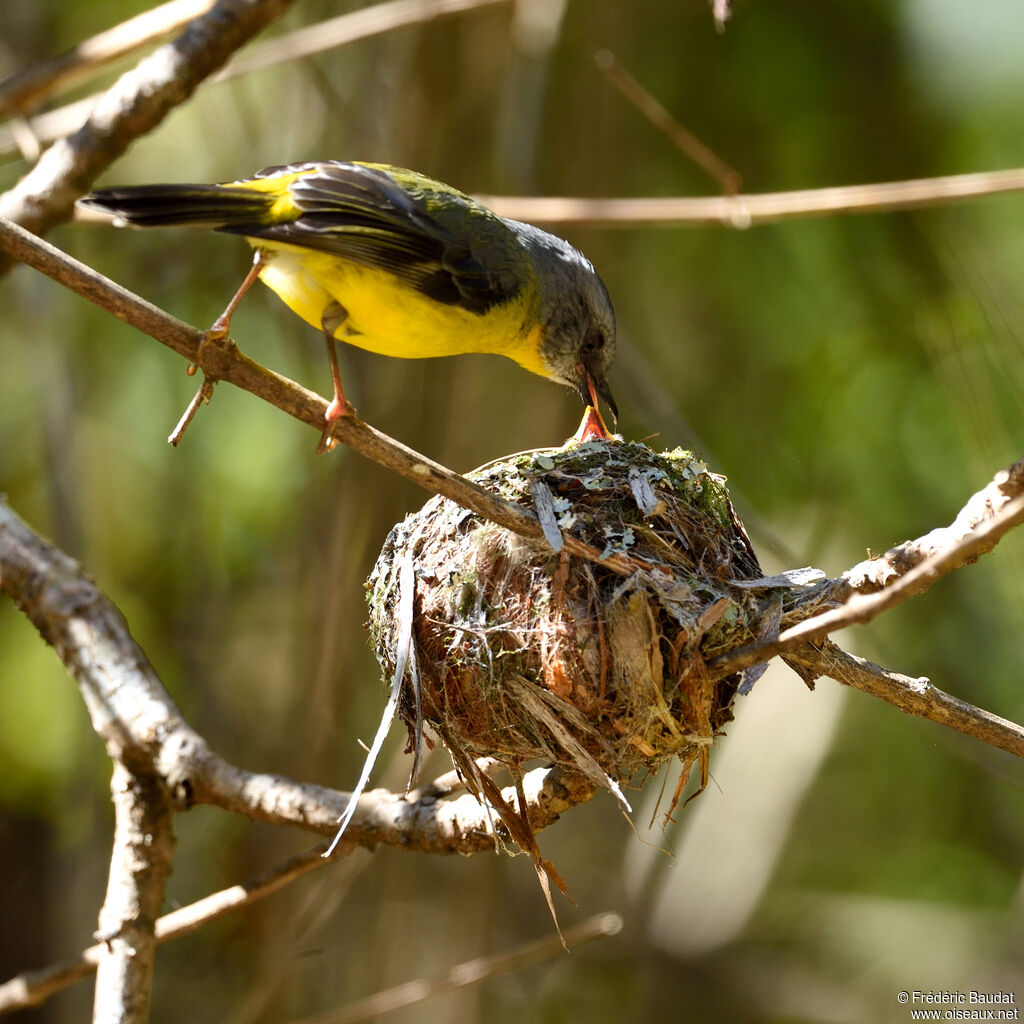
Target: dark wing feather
{"points": [[435, 239], [148, 206]]}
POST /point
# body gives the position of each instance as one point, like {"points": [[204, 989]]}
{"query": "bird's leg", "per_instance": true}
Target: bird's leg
{"points": [[331, 320], [333, 317], [215, 332], [220, 327]]}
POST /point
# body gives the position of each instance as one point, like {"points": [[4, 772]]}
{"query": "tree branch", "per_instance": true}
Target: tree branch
{"points": [[902, 572], [139, 868], [222, 360], [913, 696], [745, 210], [36, 82], [28, 87], [985, 518], [472, 972], [33, 987], [135, 104], [141, 725], [964, 540], [980, 509]]}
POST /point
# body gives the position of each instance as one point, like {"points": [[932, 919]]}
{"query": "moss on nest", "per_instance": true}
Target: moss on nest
{"points": [[525, 653]]}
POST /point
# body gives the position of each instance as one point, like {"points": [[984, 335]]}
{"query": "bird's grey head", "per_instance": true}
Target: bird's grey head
{"points": [[578, 345]]}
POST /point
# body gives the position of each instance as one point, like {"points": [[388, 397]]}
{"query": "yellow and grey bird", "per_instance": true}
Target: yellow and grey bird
{"points": [[396, 263]]}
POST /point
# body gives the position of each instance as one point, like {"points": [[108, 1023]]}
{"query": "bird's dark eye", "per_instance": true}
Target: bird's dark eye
{"points": [[593, 342]]}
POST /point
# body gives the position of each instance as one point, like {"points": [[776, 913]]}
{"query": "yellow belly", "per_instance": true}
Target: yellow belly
{"points": [[388, 316]]}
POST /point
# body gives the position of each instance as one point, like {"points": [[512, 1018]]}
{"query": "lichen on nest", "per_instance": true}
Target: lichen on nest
{"points": [[520, 652]]}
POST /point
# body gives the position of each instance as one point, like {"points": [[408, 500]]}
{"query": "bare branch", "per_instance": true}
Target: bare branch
{"points": [[728, 179], [914, 696], [745, 210], [25, 88], [377, 19], [904, 571], [135, 104], [129, 708], [140, 723], [304, 42], [222, 360], [426, 825], [861, 608], [471, 972], [139, 868], [33, 987], [981, 507]]}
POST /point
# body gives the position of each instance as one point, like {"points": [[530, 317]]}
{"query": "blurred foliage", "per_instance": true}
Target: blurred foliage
{"points": [[856, 378]]}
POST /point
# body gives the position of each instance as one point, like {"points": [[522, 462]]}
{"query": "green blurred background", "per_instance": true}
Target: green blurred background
{"points": [[856, 378]]}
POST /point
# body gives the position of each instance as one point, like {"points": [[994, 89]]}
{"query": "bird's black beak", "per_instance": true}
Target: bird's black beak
{"points": [[593, 386]]}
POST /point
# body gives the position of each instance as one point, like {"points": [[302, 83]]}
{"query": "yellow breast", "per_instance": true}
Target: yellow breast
{"points": [[387, 316]]}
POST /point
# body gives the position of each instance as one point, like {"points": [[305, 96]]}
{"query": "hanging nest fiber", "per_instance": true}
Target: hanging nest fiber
{"points": [[520, 652]]}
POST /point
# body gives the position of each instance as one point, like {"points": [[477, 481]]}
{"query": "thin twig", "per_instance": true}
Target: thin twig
{"points": [[727, 178], [33, 987], [471, 972], [377, 19], [745, 210], [201, 397]]}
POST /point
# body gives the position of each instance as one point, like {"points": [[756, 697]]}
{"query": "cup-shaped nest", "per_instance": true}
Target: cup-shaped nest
{"points": [[597, 664]]}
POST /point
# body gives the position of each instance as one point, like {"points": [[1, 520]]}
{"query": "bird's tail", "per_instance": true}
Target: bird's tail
{"points": [[216, 206]]}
